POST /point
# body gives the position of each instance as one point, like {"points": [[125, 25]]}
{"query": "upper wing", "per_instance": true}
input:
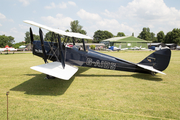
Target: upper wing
{"points": [[70, 34]]}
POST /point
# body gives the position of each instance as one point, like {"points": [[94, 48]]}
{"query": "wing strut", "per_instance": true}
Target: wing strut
{"points": [[73, 41], [32, 39], [61, 56], [31, 35], [42, 45], [84, 45]]}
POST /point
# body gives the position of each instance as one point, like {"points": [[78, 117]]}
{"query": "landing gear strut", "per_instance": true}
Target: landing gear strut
{"points": [[153, 73], [49, 77]]}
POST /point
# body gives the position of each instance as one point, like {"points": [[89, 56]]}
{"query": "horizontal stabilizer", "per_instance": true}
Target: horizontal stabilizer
{"points": [[150, 68], [55, 69]]}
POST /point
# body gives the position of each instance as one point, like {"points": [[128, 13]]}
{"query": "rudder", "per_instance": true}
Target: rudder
{"points": [[158, 60]]}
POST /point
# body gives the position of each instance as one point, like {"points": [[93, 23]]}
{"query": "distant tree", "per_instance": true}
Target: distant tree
{"points": [[16, 45], [6, 40], [168, 37], [83, 32], [101, 35], [28, 39], [133, 34], [120, 34], [173, 36], [75, 27], [176, 35], [36, 37], [49, 36], [145, 34], [160, 36], [153, 38]]}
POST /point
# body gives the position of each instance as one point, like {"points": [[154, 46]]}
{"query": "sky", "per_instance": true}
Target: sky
{"points": [[128, 16]]}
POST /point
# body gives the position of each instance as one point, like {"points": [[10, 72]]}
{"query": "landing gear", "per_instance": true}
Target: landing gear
{"points": [[49, 77], [153, 73]]}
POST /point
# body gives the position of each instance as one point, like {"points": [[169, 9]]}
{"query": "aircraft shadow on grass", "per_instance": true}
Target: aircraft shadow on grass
{"points": [[53, 87]]}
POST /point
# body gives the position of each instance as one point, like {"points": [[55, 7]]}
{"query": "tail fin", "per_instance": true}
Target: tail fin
{"points": [[159, 60]]}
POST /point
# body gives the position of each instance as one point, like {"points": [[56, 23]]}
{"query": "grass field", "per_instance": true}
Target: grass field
{"points": [[94, 94]]}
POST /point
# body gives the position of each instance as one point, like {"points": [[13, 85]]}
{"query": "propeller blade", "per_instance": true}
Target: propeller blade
{"points": [[61, 52], [42, 45]]}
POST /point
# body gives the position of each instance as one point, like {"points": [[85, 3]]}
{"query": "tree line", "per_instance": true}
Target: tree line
{"points": [[171, 37], [99, 35]]}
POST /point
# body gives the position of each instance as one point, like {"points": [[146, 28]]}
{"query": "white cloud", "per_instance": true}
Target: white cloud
{"points": [[0, 25], [52, 5], [2, 16], [61, 5], [72, 3], [88, 16], [147, 13], [59, 21], [24, 2], [23, 27], [152, 10], [13, 30], [112, 25]]}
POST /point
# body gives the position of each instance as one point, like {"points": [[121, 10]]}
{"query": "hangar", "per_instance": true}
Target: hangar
{"points": [[125, 42]]}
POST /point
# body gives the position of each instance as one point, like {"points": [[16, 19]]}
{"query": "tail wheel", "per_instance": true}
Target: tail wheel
{"points": [[153, 73]]}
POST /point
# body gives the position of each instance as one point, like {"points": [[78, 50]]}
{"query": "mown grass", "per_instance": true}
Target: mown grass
{"points": [[90, 94]]}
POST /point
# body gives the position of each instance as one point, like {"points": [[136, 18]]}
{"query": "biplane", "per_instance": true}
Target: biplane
{"points": [[65, 59]]}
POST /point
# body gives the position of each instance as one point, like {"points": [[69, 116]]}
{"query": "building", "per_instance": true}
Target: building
{"points": [[125, 42], [172, 46], [156, 44]]}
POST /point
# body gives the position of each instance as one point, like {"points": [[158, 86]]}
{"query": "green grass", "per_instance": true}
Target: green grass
{"points": [[91, 93]]}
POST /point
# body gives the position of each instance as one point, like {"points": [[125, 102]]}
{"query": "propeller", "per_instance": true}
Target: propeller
{"points": [[42, 45], [62, 58]]}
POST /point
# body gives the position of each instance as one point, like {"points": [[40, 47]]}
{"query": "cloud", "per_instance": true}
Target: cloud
{"points": [[142, 13], [72, 3], [114, 26], [88, 16], [23, 27], [59, 21], [61, 5], [151, 10], [24, 2], [4, 19], [2, 16], [99, 23], [0, 25], [52, 5]]}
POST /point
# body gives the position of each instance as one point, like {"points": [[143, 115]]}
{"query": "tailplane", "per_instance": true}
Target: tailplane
{"points": [[158, 60]]}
